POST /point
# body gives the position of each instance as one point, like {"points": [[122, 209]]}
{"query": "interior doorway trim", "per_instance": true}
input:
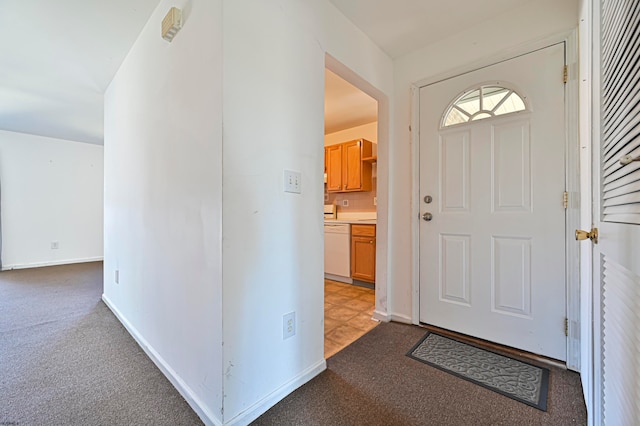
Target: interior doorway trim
{"points": [[382, 208], [572, 178]]}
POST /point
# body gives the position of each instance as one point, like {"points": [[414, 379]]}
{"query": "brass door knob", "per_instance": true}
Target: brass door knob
{"points": [[583, 235]]}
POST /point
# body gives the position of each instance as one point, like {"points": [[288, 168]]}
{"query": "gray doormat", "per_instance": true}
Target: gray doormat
{"points": [[516, 379]]}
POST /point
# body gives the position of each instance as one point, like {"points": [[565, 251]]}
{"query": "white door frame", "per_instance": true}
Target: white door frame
{"points": [[382, 173], [589, 130], [572, 178]]}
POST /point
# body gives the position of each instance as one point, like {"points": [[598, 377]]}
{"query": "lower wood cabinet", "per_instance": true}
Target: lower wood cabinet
{"points": [[363, 252]]}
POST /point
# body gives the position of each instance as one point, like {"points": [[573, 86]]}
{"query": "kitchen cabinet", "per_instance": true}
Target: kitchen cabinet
{"points": [[345, 168], [333, 163], [363, 252]]}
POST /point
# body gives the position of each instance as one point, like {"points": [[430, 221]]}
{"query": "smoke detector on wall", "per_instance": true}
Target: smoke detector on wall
{"points": [[171, 24]]}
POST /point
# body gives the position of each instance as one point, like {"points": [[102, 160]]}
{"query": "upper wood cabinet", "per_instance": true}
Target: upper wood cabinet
{"points": [[333, 159], [346, 172]]}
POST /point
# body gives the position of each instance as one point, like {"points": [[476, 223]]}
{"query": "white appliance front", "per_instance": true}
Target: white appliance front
{"points": [[337, 252]]}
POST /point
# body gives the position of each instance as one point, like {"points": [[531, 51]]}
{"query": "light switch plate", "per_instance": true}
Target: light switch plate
{"points": [[292, 182]]}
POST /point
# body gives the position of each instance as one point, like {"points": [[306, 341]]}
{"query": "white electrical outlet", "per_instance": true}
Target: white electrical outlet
{"points": [[116, 276], [345, 203], [288, 325], [55, 245], [292, 182]]}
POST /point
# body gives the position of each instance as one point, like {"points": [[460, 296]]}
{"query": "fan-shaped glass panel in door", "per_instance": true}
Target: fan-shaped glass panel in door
{"points": [[483, 102]]}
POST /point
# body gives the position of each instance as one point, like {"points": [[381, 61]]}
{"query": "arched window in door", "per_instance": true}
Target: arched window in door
{"points": [[483, 102]]}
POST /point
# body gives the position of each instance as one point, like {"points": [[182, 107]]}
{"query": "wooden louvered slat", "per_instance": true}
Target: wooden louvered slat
{"points": [[622, 209], [629, 143], [620, 96], [618, 120], [623, 27], [625, 140], [623, 112], [624, 68], [622, 105], [626, 188], [617, 62], [620, 200], [621, 172]]}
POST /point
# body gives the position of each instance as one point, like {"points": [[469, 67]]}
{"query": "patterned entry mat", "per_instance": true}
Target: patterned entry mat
{"points": [[517, 380]]}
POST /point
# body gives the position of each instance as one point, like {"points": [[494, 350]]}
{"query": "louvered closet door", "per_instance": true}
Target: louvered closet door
{"points": [[617, 215]]}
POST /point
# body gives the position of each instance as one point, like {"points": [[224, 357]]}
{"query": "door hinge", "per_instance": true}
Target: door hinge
{"points": [[565, 199], [565, 74], [566, 327]]}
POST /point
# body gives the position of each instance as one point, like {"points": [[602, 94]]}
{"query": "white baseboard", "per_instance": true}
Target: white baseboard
{"points": [[384, 317], [51, 263], [260, 407], [381, 316], [400, 318], [205, 415]]}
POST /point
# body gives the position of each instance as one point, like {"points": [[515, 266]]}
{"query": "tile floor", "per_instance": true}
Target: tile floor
{"points": [[348, 311]]}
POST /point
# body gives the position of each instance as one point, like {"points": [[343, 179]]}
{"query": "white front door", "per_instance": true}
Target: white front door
{"points": [[492, 255]]}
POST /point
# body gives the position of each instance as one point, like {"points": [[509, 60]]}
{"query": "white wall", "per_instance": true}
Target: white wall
{"points": [[274, 59], [163, 196], [533, 21], [51, 190], [366, 131], [169, 222]]}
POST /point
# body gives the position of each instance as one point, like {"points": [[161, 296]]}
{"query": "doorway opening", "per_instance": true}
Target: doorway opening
{"points": [[350, 198]]}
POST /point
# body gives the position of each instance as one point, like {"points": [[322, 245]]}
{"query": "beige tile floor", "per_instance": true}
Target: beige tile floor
{"points": [[348, 311]]}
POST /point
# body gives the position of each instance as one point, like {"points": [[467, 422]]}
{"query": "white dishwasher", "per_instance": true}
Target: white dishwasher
{"points": [[337, 252]]}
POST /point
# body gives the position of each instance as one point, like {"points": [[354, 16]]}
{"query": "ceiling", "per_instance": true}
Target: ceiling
{"points": [[345, 106], [399, 27], [402, 26], [58, 57]]}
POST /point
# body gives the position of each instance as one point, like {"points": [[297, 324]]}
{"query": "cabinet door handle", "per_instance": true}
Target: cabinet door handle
{"points": [[371, 242]]}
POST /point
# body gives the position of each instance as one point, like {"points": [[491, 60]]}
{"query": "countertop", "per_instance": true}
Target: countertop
{"points": [[351, 221]]}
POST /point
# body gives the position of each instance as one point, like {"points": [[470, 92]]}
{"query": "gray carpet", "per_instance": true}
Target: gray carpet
{"points": [[66, 360], [372, 382]]}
